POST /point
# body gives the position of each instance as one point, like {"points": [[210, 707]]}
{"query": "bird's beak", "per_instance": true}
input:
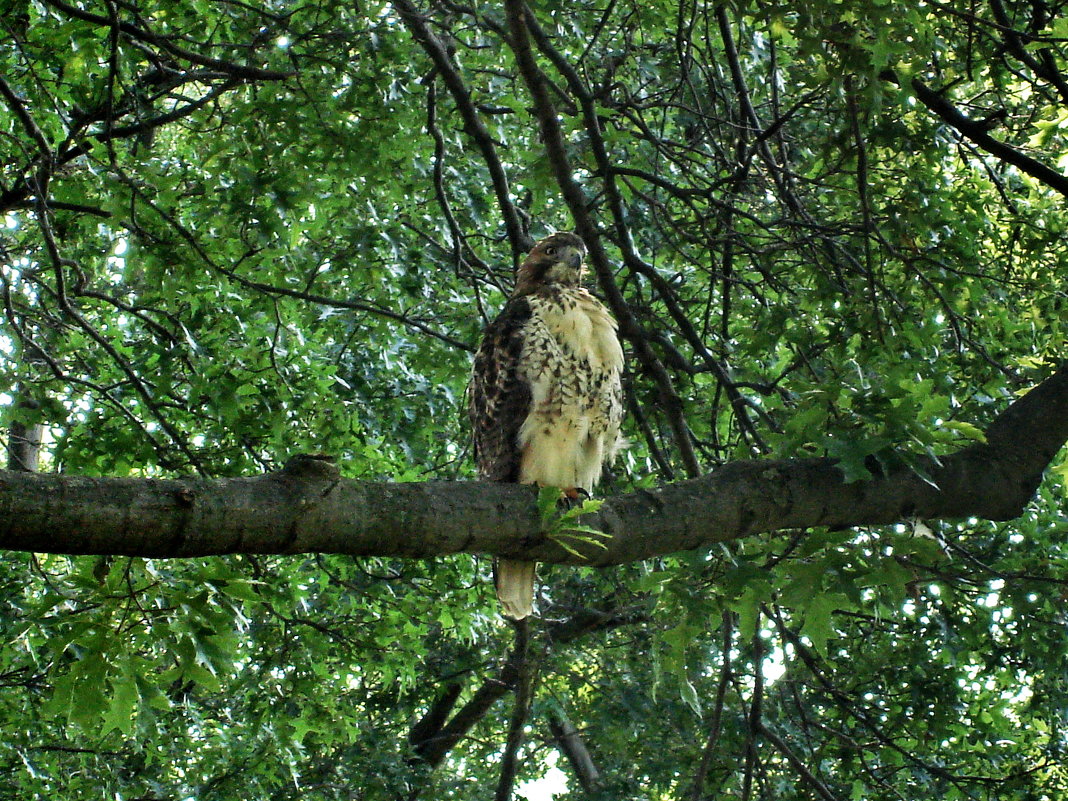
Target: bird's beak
{"points": [[574, 258]]}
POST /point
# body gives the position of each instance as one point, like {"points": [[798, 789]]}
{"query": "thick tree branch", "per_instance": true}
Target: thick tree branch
{"points": [[570, 742], [24, 441], [308, 508], [435, 733], [427, 728], [433, 749], [520, 712]]}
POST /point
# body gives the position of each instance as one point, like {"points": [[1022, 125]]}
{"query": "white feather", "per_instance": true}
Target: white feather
{"points": [[573, 362]]}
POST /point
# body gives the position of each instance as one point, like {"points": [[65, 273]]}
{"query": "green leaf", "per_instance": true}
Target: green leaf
{"points": [[818, 626], [966, 430], [124, 697]]}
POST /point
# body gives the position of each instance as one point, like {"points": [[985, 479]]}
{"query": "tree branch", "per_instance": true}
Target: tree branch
{"points": [[430, 725], [22, 113], [520, 712], [435, 733], [575, 198], [976, 131], [307, 507], [415, 21], [807, 776], [726, 673], [570, 742], [433, 749], [241, 71], [625, 242]]}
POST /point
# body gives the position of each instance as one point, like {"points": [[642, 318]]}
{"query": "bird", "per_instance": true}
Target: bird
{"points": [[545, 399]]}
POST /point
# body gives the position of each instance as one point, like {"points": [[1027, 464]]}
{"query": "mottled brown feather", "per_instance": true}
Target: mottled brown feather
{"points": [[499, 398]]}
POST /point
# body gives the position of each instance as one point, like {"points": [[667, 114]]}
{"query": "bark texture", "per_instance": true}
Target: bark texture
{"points": [[307, 507]]}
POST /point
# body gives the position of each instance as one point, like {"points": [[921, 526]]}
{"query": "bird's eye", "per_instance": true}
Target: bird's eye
{"points": [[550, 251]]}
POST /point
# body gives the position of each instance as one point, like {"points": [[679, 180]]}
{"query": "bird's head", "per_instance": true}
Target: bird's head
{"points": [[557, 259]]}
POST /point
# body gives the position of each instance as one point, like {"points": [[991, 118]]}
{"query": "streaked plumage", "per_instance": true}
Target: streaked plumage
{"points": [[546, 398]]}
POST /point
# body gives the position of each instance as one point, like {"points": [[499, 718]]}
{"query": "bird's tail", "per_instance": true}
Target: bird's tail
{"points": [[515, 587]]}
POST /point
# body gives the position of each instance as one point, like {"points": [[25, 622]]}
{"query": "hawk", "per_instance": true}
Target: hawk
{"points": [[546, 398]]}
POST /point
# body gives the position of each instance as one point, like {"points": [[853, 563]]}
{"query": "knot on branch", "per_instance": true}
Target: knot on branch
{"points": [[312, 466]]}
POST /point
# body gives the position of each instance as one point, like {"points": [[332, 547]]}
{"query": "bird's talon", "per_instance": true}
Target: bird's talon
{"points": [[572, 497]]}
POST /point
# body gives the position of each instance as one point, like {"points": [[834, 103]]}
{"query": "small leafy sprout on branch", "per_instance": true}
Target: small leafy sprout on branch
{"points": [[562, 526]]}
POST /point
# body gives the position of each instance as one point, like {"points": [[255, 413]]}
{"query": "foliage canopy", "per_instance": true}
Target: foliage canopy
{"points": [[237, 231]]}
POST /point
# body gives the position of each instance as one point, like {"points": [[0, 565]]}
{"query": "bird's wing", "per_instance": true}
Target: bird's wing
{"points": [[498, 396]]}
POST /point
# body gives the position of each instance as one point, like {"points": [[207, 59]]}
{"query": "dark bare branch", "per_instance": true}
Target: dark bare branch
{"points": [[416, 23], [578, 755], [520, 711], [976, 131]]}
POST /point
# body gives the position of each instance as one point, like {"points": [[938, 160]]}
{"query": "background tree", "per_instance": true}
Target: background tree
{"points": [[237, 231]]}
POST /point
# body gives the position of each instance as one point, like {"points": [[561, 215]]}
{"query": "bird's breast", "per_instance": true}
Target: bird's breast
{"points": [[573, 362], [571, 324]]}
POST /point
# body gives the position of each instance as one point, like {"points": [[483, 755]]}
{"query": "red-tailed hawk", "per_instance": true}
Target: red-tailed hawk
{"points": [[545, 397]]}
